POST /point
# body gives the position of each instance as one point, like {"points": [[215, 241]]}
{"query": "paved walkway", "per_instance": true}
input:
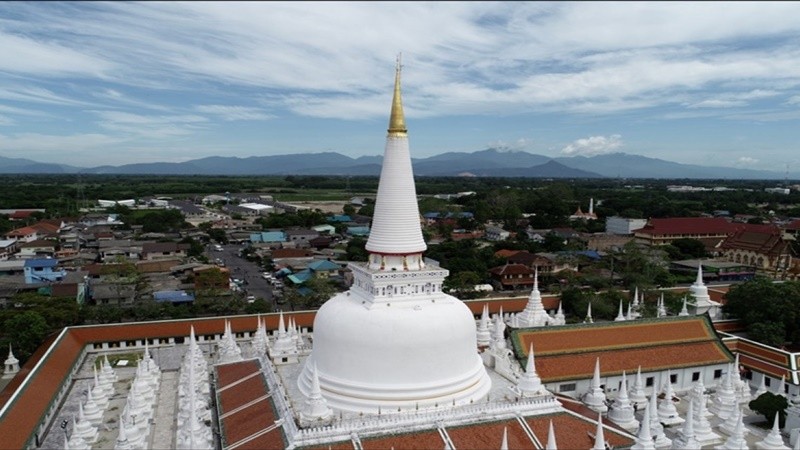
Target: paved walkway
{"points": [[165, 416]]}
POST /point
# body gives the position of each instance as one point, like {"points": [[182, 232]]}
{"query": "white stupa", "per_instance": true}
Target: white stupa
{"points": [[621, 411], [620, 316], [736, 440], [529, 383], [699, 292], [656, 428], [685, 439], [740, 385], [484, 334], [599, 436], [667, 412], [534, 314], [588, 318], [724, 402], [395, 340], [84, 428], [76, 441], [637, 394], [644, 438], [11, 364], [595, 398], [773, 441], [559, 318]]}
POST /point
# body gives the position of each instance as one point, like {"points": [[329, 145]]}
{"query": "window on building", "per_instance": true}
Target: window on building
{"points": [[718, 374], [649, 381], [673, 378], [695, 376], [767, 381], [567, 387]]}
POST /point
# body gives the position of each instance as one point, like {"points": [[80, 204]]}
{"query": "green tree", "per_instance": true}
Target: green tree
{"points": [[768, 404], [770, 311], [26, 332]]}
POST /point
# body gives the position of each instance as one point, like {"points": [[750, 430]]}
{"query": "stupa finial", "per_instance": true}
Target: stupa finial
{"points": [[397, 121]]}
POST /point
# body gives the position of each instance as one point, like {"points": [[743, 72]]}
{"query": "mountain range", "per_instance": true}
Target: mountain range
{"points": [[485, 163]]}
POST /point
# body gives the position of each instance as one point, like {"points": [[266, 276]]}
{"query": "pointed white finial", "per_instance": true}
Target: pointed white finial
{"points": [[551, 438], [530, 367], [596, 376], [589, 314], [504, 444], [684, 309], [699, 280], [599, 437], [620, 317], [281, 325]]}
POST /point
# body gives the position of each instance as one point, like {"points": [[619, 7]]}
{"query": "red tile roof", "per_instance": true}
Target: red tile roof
{"points": [[489, 435], [687, 225], [421, 440], [569, 352], [242, 415], [511, 269], [761, 239]]}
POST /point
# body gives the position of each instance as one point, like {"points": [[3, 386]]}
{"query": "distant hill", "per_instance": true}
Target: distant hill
{"points": [[484, 163], [22, 165], [635, 166]]}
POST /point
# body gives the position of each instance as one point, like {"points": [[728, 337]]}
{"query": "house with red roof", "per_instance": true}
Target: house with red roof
{"points": [[512, 276]]}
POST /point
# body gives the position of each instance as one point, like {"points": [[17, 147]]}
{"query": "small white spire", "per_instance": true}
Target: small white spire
{"points": [[504, 444], [588, 314], [644, 438], [620, 317], [699, 280], [551, 438], [684, 309], [599, 437]]}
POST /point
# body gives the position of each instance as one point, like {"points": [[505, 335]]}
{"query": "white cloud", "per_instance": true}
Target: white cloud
{"points": [[593, 145], [151, 126], [520, 144], [233, 113], [746, 161], [717, 103], [793, 100]]}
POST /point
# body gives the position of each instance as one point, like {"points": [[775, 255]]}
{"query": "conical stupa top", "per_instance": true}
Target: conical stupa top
{"points": [[504, 444], [636, 295], [535, 280], [121, 438], [551, 438], [596, 377], [191, 333], [599, 437], [623, 388], [485, 314], [11, 359], [530, 367], [684, 310], [699, 280], [645, 436], [560, 310], [281, 324], [589, 313], [396, 226]]}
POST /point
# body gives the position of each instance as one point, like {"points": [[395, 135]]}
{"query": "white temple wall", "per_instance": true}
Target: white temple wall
{"points": [[684, 379]]}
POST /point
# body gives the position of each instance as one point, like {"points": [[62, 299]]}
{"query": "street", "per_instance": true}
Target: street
{"points": [[242, 269]]}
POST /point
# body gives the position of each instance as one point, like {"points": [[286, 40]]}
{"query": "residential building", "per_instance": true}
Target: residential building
{"points": [[163, 250], [42, 271], [495, 233], [7, 248], [24, 234], [301, 236], [37, 249], [512, 276]]}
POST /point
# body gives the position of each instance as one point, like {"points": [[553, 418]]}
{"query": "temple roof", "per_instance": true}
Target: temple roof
{"points": [[569, 352]]}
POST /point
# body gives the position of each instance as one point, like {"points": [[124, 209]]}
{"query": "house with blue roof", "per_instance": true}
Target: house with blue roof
{"points": [[174, 297], [42, 270], [268, 237], [358, 231], [324, 229], [340, 218]]}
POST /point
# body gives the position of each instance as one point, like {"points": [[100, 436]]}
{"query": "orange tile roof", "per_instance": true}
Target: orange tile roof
{"points": [[256, 416], [569, 352], [489, 435], [420, 440]]}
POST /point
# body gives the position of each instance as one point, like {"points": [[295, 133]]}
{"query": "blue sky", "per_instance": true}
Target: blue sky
{"points": [[89, 83]]}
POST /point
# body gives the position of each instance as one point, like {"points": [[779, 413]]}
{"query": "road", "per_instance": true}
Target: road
{"points": [[254, 284]]}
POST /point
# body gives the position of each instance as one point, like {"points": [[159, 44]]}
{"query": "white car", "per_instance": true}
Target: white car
{"points": [[251, 299]]}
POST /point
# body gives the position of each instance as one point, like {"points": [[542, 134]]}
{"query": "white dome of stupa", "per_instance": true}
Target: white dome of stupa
{"points": [[395, 340]]}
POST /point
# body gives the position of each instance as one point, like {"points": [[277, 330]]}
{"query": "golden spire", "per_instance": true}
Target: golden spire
{"points": [[397, 122]]}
